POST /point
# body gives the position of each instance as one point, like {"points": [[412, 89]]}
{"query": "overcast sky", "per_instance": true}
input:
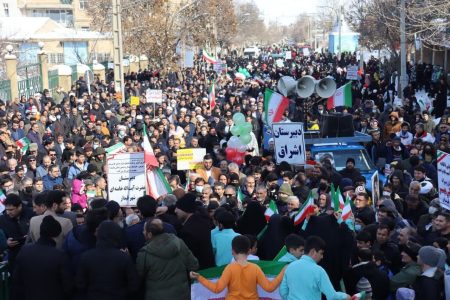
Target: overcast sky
{"points": [[285, 11]]}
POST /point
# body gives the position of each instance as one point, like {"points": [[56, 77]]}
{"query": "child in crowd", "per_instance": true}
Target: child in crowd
{"points": [[240, 277], [253, 247], [295, 246]]}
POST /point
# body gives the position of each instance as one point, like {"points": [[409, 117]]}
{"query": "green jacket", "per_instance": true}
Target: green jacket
{"points": [[164, 263], [406, 276]]}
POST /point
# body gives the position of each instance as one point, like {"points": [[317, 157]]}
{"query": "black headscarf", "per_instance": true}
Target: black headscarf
{"points": [[253, 220]]}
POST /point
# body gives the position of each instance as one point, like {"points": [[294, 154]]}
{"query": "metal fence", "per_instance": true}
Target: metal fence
{"points": [[53, 81], [5, 90], [30, 79]]}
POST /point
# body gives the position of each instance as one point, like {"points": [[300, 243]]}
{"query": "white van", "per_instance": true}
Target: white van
{"points": [[251, 52]]}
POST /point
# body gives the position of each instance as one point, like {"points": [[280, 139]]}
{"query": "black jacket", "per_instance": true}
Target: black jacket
{"points": [[16, 228], [42, 272], [196, 234], [105, 272], [429, 288], [378, 280]]}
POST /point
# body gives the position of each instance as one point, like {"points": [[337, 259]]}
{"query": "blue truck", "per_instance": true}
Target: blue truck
{"points": [[339, 149]]}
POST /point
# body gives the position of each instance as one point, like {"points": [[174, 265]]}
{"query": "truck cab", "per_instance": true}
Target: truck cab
{"points": [[338, 149]]}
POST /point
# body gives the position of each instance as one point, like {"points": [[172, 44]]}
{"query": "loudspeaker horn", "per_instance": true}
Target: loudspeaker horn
{"points": [[326, 87], [286, 85], [305, 86]]}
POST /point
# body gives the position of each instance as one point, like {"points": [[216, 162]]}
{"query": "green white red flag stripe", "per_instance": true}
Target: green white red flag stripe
{"points": [[149, 155], [208, 57], [359, 296], [115, 149], [337, 201], [270, 268], [347, 210], [275, 105], [212, 96], [342, 97], [157, 184], [305, 210], [23, 145], [441, 155], [271, 210]]}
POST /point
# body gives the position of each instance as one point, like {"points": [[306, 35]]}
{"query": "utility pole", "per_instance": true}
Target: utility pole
{"points": [[118, 48], [340, 31], [403, 75]]}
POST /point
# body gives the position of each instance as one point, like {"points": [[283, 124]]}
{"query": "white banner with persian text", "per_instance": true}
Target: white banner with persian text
{"points": [[289, 143], [126, 178], [443, 166]]}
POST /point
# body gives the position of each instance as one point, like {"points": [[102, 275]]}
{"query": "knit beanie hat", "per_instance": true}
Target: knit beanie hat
{"points": [[412, 249], [50, 228], [429, 256], [350, 159], [187, 203], [286, 189]]}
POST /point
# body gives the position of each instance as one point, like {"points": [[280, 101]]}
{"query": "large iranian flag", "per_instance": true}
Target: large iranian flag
{"points": [[275, 105], [157, 184], [342, 97], [270, 268], [208, 57], [149, 155]]}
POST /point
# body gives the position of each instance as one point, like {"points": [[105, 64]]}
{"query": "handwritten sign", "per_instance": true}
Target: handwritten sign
{"points": [[352, 72], [190, 159], [288, 55], [289, 143], [153, 96], [443, 166], [126, 178]]}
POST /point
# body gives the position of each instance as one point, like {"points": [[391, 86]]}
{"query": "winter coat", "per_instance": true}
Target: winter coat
{"points": [[196, 233], [78, 241], [406, 277], [164, 263], [378, 280], [105, 272], [77, 197], [42, 272]]}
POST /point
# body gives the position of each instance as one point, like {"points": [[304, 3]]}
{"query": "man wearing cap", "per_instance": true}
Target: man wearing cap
{"points": [[41, 270], [196, 230], [99, 159], [411, 269], [350, 171], [429, 284]]}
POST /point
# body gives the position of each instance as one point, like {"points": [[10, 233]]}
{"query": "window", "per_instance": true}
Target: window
{"points": [[62, 16], [83, 4], [6, 9], [56, 58]]}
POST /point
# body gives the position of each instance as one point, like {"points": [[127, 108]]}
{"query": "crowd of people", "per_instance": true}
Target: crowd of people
{"points": [[64, 237]]}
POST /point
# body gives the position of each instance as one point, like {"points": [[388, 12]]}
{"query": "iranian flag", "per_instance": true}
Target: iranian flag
{"points": [[240, 195], [23, 145], [342, 97], [347, 210], [337, 201], [2, 198], [149, 155], [275, 105], [208, 57], [359, 296], [157, 184], [271, 210], [212, 96], [307, 209], [115, 149], [270, 268]]}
